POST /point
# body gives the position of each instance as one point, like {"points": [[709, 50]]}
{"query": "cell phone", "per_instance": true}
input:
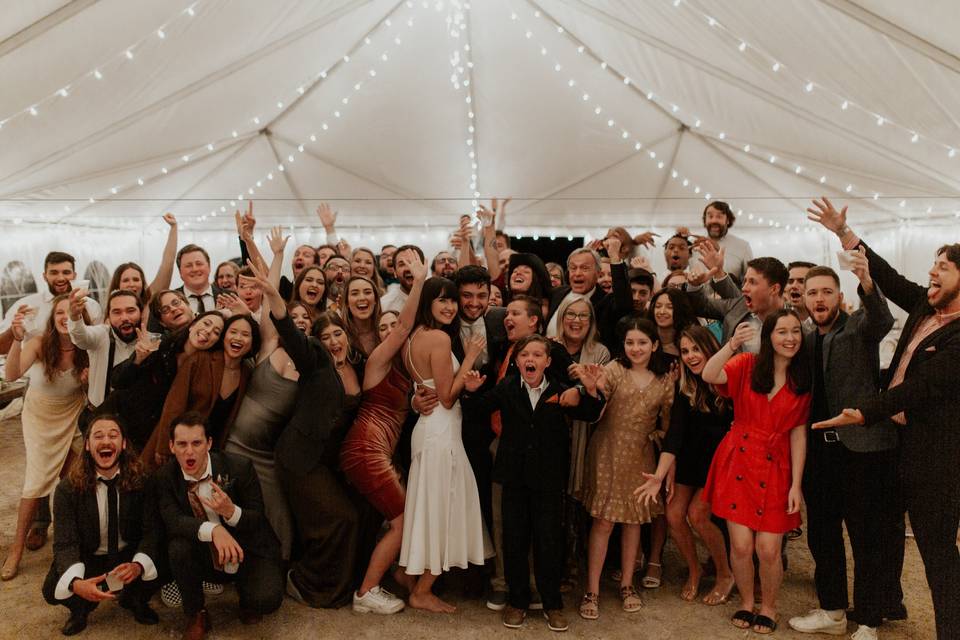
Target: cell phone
{"points": [[845, 259], [113, 583]]}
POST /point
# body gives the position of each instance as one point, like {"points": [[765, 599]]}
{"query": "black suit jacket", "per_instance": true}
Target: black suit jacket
{"points": [[253, 531], [77, 534], [477, 434], [534, 450], [608, 308], [306, 441], [928, 395]]}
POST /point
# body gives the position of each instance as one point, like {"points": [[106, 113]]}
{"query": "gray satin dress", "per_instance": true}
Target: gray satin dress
{"points": [[265, 411]]}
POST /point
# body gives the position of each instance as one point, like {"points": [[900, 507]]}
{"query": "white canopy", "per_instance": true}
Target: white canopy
{"points": [[590, 113]]}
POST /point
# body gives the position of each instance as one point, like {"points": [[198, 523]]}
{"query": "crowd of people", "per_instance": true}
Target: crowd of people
{"points": [[380, 419]]}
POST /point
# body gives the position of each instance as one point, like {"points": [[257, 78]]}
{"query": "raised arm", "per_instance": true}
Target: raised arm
{"points": [[488, 231], [876, 320], [328, 218], [86, 337], [713, 371], [164, 275], [22, 354]]}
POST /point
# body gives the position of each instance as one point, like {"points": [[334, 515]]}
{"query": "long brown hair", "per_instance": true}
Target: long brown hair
{"points": [[295, 294], [332, 318], [83, 471], [50, 353], [144, 289], [701, 395], [353, 327]]}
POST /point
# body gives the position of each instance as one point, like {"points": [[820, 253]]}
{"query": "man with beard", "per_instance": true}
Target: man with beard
{"points": [[393, 300], [58, 274], [717, 220], [444, 265], [108, 531], [583, 269], [850, 474], [794, 291], [920, 394], [107, 344], [385, 261]]}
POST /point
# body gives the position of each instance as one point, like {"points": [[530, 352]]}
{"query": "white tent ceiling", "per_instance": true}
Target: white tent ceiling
{"points": [[741, 95]]}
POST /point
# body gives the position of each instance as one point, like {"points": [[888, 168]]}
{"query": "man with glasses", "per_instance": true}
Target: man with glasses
{"points": [[444, 265]]}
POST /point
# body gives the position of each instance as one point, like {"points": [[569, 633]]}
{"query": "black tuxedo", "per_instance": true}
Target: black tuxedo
{"points": [[76, 539], [607, 308], [214, 290], [930, 440], [476, 431], [532, 463], [260, 577]]}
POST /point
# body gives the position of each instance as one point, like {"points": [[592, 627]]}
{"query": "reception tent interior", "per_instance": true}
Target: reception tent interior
{"points": [[403, 115]]}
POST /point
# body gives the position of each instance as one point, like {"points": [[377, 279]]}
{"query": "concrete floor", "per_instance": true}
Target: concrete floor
{"points": [[26, 615]]}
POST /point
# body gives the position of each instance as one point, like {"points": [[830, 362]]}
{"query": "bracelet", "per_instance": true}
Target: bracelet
{"points": [[843, 231]]}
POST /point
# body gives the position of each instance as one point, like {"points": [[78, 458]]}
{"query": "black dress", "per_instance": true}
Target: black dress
{"points": [[693, 438], [139, 391]]}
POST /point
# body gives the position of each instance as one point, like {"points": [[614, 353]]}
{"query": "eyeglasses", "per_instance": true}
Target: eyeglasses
{"points": [[174, 304], [446, 261], [573, 315]]}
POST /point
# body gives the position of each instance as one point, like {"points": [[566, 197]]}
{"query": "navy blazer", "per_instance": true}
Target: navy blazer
{"points": [[534, 450]]}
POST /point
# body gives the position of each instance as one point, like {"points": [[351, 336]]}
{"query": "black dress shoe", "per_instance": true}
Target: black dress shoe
{"points": [[76, 623], [896, 612], [36, 538], [141, 611]]}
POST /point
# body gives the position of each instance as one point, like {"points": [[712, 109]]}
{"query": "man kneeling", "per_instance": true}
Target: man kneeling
{"points": [[107, 531], [212, 509]]}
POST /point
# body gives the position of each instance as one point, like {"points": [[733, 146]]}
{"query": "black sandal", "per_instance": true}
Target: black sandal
{"points": [[763, 622], [745, 617]]}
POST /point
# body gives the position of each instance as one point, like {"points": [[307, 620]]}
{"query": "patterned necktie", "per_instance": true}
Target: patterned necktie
{"points": [[193, 496], [113, 517]]}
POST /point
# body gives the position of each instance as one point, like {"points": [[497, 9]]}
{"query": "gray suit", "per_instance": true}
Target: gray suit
{"points": [[851, 369], [731, 309]]}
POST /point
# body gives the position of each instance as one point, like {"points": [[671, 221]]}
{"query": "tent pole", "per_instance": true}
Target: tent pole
{"points": [[44, 24]]}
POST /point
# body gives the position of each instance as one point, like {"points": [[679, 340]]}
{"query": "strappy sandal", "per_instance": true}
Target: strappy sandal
{"points": [[632, 602], [743, 619], [651, 582], [764, 625], [590, 606], [716, 598]]}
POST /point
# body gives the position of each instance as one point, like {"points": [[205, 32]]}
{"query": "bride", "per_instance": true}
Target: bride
{"points": [[442, 525]]}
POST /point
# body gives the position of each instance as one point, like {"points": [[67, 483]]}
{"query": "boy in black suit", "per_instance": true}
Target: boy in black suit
{"points": [[531, 466], [212, 509], [107, 531]]}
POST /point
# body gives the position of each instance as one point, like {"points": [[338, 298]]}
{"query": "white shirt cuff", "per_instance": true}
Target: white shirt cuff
{"points": [[205, 534], [235, 518], [149, 569], [63, 592]]}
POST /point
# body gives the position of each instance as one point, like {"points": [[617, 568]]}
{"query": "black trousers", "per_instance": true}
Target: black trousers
{"points": [[536, 517], [933, 503], [336, 528], [136, 591], [859, 489], [259, 581]]}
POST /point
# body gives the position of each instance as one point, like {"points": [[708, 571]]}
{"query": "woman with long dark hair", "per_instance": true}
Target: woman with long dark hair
{"points": [[57, 371], [442, 525], [129, 276], [639, 394], [310, 288], [671, 312], [698, 422], [363, 262], [361, 312], [755, 478]]}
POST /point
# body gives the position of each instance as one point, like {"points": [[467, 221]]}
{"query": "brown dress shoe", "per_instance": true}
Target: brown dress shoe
{"points": [[556, 621], [36, 538], [197, 626], [249, 616], [513, 617]]}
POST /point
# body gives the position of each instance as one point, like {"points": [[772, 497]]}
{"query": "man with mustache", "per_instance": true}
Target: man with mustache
{"points": [[444, 265], [717, 219], [850, 474], [108, 344], [919, 391], [794, 291], [394, 299], [58, 274], [108, 532]]}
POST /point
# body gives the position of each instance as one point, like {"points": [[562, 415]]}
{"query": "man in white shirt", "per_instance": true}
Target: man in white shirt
{"points": [[109, 344], [95, 545], [193, 261], [58, 274], [213, 512], [393, 300]]}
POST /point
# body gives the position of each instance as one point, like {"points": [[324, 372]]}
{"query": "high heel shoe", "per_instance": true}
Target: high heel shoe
{"points": [[9, 572]]}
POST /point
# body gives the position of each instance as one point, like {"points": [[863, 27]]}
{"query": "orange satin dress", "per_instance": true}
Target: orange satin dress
{"points": [[366, 457]]}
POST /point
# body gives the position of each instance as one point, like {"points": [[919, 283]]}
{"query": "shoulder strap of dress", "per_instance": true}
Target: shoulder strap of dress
{"points": [[413, 368]]}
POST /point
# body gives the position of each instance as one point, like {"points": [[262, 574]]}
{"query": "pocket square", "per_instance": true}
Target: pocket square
{"points": [[930, 349], [554, 399]]}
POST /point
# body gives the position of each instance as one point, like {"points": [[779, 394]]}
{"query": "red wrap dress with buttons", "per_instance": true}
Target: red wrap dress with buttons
{"points": [[750, 476]]}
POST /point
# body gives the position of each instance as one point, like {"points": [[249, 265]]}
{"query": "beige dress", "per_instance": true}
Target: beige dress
{"points": [[622, 447], [49, 420]]}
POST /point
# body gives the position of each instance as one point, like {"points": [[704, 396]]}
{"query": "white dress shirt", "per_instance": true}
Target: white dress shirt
{"points": [[42, 301], [553, 327], [534, 393], [209, 302], [393, 300], [95, 340], [78, 570], [205, 491], [476, 328]]}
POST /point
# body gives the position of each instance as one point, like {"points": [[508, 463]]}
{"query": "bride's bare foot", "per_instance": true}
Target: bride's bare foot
{"points": [[430, 602], [11, 564], [721, 591], [690, 587], [404, 579]]}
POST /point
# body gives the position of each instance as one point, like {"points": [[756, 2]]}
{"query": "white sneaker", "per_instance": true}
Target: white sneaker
{"points": [[819, 621], [377, 600], [864, 632], [170, 595]]}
